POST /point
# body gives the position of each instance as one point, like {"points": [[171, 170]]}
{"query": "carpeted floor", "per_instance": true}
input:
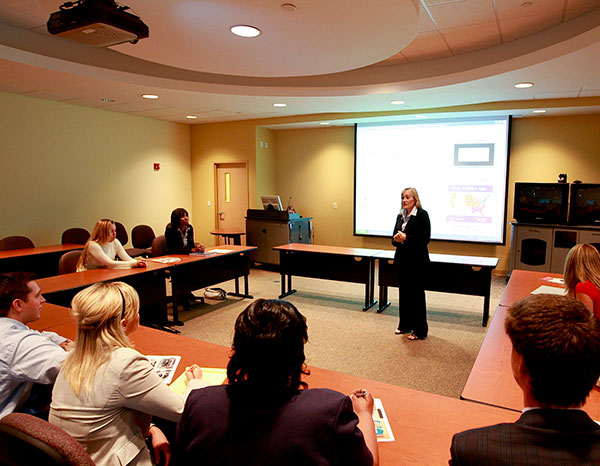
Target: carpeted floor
{"points": [[344, 338]]}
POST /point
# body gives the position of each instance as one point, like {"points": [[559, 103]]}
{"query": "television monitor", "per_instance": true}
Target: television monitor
{"points": [[584, 207], [271, 202], [541, 202]]}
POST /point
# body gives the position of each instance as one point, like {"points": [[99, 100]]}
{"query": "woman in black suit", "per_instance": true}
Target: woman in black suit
{"points": [[411, 236], [179, 234]]}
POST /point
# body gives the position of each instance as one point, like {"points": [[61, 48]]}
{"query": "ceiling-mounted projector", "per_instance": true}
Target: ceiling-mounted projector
{"points": [[99, 23]]}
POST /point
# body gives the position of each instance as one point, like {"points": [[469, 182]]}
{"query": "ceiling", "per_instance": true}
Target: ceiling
{"points": [[318, 57]]}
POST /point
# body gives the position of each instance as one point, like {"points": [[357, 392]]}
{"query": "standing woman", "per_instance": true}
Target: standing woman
{"points": [[582, 276], [179, 234], [412, 233], [102, 249], [106, 392]]}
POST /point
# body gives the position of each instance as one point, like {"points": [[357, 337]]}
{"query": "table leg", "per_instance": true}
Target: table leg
{"points": [[486, 309], [383, 298]]}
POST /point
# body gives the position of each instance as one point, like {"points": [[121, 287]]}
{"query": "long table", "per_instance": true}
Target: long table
{"points": [[422, 423], [42, 261], [490, 380], [355, 265], [448, 273]]}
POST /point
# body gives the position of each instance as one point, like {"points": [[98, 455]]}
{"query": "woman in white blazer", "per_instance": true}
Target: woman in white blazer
{"points": [[106, 392]]}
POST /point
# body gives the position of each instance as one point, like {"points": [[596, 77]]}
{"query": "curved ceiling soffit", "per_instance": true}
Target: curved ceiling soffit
{"points": [[59, 54]]}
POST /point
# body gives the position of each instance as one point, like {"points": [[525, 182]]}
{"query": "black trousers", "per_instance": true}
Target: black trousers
{"points": [[413, 308]]}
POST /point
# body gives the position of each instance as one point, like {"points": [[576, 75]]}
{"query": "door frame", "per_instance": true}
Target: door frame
{"points": [[216, 166]]}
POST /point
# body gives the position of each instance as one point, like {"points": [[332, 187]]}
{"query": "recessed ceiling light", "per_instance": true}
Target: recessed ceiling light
{"points": [[245, 31], [288, 7], [526, 4], [191, 117], [324, 123], [523, 85], [149, 96], [397, 102], [539, 111], [281, 105]]}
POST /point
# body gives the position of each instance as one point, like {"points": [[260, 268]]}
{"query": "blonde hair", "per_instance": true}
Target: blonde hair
{"points": [[582, 264], [101, 234], [415, 194], [99, 309]]}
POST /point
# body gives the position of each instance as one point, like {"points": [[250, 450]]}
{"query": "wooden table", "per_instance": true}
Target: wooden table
{"points": [[491, 380], [523, 282], [148, 281], [229, 236], [51, 316], [197, 270], [422, 423], [448, 273], [354, 265], [42, 261]]}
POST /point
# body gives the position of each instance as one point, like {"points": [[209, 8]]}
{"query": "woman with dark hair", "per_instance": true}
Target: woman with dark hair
{"points": [[267, 415], [179, 234], [412, 233]]}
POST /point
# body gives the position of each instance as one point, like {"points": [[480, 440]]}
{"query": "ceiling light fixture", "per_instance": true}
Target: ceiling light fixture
{"points": [[280, 105], [324, 123], [245, 31], [523, 85], [397, 102], [288, 7], [191, 117], [149, 96], [539, 111]]}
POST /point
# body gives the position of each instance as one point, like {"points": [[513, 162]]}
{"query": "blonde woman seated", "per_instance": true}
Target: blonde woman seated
{"points": [[582, 276], [106, 392], [102, 249]]}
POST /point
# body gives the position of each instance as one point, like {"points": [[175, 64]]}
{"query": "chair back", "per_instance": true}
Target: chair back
{"points": [[75, 236], [122, 235], [15, 242], [26, 440], [142, 236], [159, 246], [68, 262]]}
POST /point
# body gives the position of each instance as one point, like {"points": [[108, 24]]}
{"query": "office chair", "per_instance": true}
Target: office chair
{"points": [[68, 262], [75, 236], [26, 440], [159, 246], [122, 235], [15, 242], [141, 237]]}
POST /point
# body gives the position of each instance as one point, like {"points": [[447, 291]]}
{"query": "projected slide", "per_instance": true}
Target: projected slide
{"points": [[458, 167]]}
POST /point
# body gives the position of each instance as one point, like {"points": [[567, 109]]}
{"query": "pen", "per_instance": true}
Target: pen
{"points": [[361, 393]]}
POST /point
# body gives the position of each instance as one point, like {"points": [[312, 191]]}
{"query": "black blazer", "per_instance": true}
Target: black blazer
{"points": [[175, 243], [539, 437], [413, 252]]}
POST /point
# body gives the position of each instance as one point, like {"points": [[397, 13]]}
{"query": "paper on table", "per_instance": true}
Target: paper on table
{"points": [[560, 281], [382, 424], [210, 375], [165, 366], [549, 290], [220, 251], [166, 260]]}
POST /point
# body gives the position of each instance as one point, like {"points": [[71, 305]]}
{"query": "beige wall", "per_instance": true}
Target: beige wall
{"points": [[316, 166], [63, 165]]}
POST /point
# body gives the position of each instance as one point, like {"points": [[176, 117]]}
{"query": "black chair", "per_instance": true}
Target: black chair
{"points": [[159, 246], [26, 440], [68, 262], [122, 235], [15, 242], [141, 238], [75, 236]]}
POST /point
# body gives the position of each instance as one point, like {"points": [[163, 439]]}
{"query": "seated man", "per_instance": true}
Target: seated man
{"points": [[556, 362], [27, 357]]}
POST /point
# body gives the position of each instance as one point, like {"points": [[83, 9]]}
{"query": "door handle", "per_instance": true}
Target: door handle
{"points": [[221, 215]]}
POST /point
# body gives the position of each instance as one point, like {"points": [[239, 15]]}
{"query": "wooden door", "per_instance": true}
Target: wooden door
{"points": [[232, 196]]}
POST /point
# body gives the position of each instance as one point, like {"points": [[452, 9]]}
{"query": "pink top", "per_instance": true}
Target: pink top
{"points": [[590, 290]]}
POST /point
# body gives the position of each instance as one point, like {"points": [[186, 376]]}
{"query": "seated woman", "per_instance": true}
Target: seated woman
{"points": [[102, 249], [267, 415], [582, 276], [179, 234], [106, 392]]}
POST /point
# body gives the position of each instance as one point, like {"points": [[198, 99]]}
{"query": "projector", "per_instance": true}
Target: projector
{"points": [[99, 23]]}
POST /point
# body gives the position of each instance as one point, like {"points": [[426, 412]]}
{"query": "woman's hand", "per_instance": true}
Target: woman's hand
{"points": [[193, 372], [362, 401], [160, 444], [141, 263], [400, 237], [199, 247]]}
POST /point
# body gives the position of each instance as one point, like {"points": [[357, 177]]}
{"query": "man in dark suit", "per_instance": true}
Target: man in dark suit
{"points": [[556, 362]]}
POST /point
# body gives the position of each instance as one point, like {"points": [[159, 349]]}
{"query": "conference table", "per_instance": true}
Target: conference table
{"points": [[187, 273], [491, 381], [422, 423], [355, 265], [42, 261], [448, 273]]}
